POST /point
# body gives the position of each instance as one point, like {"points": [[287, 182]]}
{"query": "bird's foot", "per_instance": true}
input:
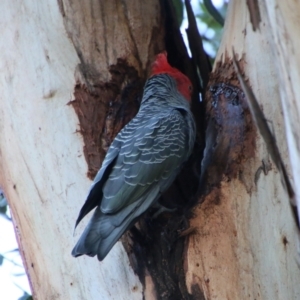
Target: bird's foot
{"points": [[162, 209], [187, 232]]}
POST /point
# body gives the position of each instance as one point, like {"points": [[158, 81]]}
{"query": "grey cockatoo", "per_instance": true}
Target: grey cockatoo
{"points": [[142, 161]]}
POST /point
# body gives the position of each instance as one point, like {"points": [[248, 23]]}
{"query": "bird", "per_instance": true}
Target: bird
{"points": [[142, 161]]}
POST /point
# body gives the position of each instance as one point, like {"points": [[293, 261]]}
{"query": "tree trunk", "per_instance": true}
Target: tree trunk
{"points": [[244, 245], [43, 158]]}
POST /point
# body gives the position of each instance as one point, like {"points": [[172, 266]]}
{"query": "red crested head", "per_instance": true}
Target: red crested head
{"points": [[161, 66]]}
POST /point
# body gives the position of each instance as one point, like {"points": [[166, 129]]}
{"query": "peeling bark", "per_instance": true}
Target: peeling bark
{"points": [[240, 249], [254, 13], [230, 136], [105, 110], [241, 240]]}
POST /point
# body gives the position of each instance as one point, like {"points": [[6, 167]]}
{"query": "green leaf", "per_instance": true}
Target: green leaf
{"points": [[178, 5], [13, 250], [26, 297], [213, 12], [3, 201], [3, 210]]}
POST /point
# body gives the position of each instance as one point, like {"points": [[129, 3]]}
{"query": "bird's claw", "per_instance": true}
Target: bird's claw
{"points": [[162, 209]]}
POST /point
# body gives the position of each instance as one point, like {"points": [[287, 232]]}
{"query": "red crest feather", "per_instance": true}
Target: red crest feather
{"points": [[161, 66]]}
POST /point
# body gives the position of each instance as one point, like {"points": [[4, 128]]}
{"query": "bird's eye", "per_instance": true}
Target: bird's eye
{"points": [[190, 88]]}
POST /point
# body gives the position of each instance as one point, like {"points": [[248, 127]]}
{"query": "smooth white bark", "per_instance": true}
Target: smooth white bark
{"points": [[284, 19], [43, 170]]}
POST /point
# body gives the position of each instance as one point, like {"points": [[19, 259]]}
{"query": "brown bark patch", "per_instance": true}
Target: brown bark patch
{"points": [[255, 18], [230, 134], [104, 108], [285, 241], [197, 293], [159, 250]]}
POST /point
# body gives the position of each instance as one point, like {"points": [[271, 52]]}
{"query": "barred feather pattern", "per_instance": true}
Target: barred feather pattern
{"points": [[141, 163]]}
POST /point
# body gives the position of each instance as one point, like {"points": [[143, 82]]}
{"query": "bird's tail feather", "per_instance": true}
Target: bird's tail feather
{"points": [[104, 230]]}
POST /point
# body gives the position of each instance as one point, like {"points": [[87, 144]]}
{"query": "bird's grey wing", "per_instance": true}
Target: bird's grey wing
{"points": [[151, 155], [104, 230], [147, 163], [95, 193]]}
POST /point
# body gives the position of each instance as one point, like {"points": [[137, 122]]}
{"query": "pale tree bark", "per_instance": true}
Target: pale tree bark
{"points": [[284, 23], [246, 247], [84, 53], [43, 167]]}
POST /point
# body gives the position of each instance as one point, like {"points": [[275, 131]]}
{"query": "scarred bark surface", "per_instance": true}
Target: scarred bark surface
{"points": [[71, 77], [246, 245]]}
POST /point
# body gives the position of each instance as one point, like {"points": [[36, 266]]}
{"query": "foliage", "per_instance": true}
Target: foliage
{"points": [[26, 297], [178, 5], [3, 204], [212, 34]]}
